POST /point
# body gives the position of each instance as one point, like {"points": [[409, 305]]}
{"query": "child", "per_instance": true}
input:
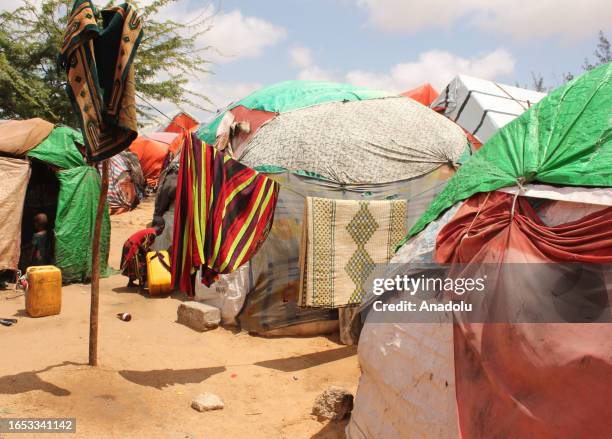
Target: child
{"points": [[41, 251]]}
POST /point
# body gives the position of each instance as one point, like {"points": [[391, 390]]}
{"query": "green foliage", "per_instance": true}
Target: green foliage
{"points": [[32, 84]]}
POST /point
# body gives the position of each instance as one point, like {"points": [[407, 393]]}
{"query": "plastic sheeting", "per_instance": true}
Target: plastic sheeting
{"points": [[407, 371], [152, 155], [59, 149], [407, 384], [274, 269], [227, 293], [180, 123], [424, 94], [565, 139], [292, 95], [396, 137], [15, 174], [544, 380], [126, 183], [74, 224], [17, 137], [482, 107]]}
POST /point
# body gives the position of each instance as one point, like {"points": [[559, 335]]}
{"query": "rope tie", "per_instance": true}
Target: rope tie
{"points": [[521, 189], [465, 235]]}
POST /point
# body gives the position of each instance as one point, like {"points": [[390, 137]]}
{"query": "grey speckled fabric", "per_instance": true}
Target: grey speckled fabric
{"points": [[370, 141]]}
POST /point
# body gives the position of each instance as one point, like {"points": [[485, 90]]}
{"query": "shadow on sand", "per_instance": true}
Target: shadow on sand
{"points": [[307, 361], [167, 377], [332, 430], [29, 381]]}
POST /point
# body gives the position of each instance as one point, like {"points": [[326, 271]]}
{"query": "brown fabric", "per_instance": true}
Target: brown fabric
{"points": [[101, 80], [528, 380], [17, 137], [15, 174]]}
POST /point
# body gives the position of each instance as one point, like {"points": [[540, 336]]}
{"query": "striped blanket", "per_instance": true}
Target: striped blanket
{"points": [[101, 83], [223, 213], [342, 240]]}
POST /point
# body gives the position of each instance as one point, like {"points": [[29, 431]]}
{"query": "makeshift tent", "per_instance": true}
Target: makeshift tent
{"points": [[15, 174], [424, 94], [126, 183], [79, 190], [482, 107], [331, 141], [180, 123], [59, 183], [17, 137], [509, 379], [152, 151], [565, 139]]}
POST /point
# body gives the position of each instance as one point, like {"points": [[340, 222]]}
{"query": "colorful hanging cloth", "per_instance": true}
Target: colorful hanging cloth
{"points": [[98, 59], [224, 211]]}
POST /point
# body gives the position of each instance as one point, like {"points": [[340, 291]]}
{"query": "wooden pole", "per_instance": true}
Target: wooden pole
{"points": [[95, 269]]}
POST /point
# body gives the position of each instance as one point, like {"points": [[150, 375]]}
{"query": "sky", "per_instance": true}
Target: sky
{"points": [[393, 45]]}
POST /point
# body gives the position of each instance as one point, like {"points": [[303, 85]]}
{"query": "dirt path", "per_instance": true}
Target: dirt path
{"points": [[151, 368]]}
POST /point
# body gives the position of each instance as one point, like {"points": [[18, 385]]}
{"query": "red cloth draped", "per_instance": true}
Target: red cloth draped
{"points": [[224, 212], [529, 380]]}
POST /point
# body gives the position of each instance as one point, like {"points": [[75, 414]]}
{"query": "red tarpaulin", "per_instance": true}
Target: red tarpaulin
{"points": [[180, 123], [529, 380], [152, 153], [424, 94]]}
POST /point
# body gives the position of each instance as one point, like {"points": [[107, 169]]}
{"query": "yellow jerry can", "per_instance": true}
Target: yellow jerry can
{"points": [[43, 296], [159, 279]]}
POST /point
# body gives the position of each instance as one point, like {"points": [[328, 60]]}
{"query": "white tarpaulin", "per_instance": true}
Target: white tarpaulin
{"points": [[482, 107], [15, 174], [407, 369]]}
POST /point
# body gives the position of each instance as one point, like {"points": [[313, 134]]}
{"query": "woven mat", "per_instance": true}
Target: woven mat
{"points": [[342, 241]]}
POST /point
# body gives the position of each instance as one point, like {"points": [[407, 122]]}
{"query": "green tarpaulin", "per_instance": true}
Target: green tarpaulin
{"points": [[74, 224], [58, 149], [565, 139], [292, 95], [76, 205]]}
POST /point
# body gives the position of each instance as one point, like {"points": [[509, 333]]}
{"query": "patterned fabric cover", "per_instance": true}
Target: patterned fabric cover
{"points": [[342, 242]]}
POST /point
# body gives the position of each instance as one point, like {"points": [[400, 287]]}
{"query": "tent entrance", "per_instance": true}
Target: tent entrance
{"points": [[41, 197]]}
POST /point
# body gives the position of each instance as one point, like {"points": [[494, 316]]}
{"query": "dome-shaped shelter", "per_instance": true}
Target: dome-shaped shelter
{"points": [[334, 142]]}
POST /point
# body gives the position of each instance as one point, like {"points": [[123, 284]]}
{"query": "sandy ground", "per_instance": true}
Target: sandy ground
{"points": [[152, 367]]}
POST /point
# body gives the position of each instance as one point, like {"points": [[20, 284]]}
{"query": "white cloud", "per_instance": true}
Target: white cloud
{"points": [[302, 58], [223, 94], [220, 93], [315, 73], [437, 67], [521, 19], [231, 35], [236, 36]]}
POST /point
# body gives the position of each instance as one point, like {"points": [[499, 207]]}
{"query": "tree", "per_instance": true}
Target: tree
{"points": [[538, 82], [602, 53], [32, 84]]}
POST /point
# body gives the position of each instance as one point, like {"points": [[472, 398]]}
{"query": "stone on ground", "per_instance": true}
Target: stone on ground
{"points": [[206, 402], [334, 403], [198, 316]]}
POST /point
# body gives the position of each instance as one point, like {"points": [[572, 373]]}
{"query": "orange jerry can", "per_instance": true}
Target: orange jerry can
{"points": [[44, 292], [159, 279]]}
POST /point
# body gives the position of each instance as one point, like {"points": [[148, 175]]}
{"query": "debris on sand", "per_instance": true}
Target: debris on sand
{"points": [[207, 402], [334, 403], [198, 316]]}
